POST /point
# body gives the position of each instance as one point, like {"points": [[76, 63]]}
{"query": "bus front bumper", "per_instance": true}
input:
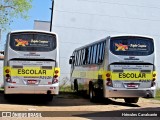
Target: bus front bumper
{"points": [[32, 89], [111, 92]]}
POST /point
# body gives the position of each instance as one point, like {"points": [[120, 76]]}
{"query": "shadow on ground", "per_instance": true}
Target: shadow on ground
{"points": [[63, 99]]}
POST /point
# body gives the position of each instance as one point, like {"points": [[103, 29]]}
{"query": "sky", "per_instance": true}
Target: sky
{"points": [[39, 11]]}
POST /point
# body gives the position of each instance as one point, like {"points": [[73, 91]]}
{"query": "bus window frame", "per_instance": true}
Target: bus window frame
{"points": [[32, 33]]}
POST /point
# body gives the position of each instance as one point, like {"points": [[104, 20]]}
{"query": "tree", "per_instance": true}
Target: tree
{"points": [[10, 9]]}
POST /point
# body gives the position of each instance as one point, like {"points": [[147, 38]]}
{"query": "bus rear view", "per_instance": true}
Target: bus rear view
{"points": [[131, 68], [31, 64]]}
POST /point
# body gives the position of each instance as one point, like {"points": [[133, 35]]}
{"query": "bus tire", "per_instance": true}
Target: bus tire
{"points": [[131, 100], [75, 86], [92, 96], [7, 96], [49, 98]]}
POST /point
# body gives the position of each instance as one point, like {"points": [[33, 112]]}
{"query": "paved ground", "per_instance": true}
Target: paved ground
{"points": [[71, 106]]}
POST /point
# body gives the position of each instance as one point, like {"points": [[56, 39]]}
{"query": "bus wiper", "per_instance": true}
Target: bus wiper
{"points": [[28, 59]]}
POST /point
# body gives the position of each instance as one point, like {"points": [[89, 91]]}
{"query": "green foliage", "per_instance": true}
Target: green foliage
{"points": [[65, 89], [158, 94], [10, 9], [1, 89]]}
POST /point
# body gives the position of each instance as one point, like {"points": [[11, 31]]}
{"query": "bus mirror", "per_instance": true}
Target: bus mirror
{"points": [[70, 61]]}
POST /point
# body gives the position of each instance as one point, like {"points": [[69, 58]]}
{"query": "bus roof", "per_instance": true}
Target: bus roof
{"points": [[90, 44], [32, 31], [134, 35], [119, 35]]}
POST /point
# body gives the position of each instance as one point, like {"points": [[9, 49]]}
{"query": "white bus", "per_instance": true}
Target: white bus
{"points": [[115, 67], [1, 69], [31, 63]]}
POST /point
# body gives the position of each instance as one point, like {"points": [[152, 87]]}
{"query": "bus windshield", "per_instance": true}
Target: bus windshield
{"points": [[137, 46], [32, 42]]}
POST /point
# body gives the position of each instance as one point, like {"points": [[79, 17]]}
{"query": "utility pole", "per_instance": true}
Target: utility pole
{"points": [[0, 34], [51, 15]]}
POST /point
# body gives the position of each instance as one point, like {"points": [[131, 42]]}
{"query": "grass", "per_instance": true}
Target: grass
{"points": [[68, 89], [157, 94], [1, 89], [65, 89]]}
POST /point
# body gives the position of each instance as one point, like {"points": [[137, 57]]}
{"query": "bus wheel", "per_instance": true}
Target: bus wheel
{"points": [[75, 86], [7, 96], [92, 93], [131, 100], [49, 98]]}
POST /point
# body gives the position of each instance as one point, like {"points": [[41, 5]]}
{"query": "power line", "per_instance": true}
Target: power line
{"points": [[70, 42], [64, 57], [114, 3], [83, 28], [80, 28], [108, 15], [65, 73]]}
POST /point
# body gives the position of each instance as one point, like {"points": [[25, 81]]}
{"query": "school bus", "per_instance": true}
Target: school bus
{"points": [[121, 66], [31, 63]]}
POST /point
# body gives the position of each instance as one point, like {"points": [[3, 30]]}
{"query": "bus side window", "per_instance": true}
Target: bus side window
{"points": [[98, 53], [85, 59], [89, 55], [94, 54], [103, 51], [78, 57], [82, 56], [75, 58]]}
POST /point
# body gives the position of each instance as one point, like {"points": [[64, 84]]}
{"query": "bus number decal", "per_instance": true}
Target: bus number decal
{"points": [[144, 80], [45, 77]]}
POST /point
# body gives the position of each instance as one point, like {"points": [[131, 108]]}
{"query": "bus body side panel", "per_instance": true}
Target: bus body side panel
{"points": [[85, 74]]}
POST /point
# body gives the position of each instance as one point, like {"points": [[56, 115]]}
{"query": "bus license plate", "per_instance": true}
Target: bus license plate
{"points": [[131, 85], [32, 81]]}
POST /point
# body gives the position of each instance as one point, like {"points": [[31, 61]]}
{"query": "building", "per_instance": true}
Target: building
{"points": [[41, 25], [78, 22]]}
